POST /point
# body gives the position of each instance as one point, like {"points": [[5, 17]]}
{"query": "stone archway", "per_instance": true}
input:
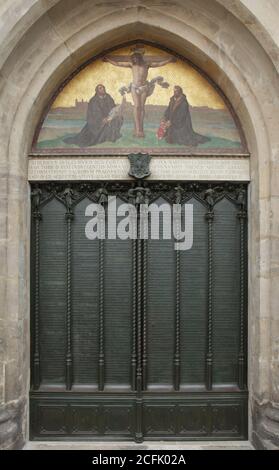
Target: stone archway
{"points": [[57, 37]]}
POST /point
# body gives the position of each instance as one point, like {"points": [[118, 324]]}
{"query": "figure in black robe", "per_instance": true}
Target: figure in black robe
{"points": [[178, 122], [99, 126]]}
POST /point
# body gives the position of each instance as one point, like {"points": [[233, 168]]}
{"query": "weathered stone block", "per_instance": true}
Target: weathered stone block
{"points": [[11, 424], [265, 434]]}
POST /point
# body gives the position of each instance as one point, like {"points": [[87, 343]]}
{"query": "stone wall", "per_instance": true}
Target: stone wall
{"points": [[236, 42]]}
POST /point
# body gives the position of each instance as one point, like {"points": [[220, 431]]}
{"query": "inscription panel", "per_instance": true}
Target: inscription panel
{"points": [[117, 168]]}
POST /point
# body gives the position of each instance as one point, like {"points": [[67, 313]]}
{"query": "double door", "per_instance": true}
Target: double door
{"points": [[133, 339]]}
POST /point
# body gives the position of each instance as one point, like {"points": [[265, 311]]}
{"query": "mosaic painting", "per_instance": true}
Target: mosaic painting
{"points": [[138, 98]]}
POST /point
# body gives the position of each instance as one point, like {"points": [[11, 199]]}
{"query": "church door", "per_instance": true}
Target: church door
{"points": [[133, 339]]}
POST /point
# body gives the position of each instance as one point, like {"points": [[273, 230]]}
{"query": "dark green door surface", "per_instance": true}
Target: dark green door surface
{"points": [[132, 339]]}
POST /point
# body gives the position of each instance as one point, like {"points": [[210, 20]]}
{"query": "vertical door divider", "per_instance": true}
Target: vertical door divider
{"points": [[139, 432], [242, 215], [36, 358], [101, 361], [209, 354], [69, 360]]}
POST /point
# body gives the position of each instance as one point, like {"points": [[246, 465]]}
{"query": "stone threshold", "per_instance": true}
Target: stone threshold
{"points": [[147, 445]]}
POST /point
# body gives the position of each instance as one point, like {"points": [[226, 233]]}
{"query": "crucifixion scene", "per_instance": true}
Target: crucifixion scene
{"points": [[140, 88], [138, 97]]}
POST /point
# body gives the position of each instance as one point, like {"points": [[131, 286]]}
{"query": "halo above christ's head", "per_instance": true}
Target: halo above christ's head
{"points": [[138, 49]]}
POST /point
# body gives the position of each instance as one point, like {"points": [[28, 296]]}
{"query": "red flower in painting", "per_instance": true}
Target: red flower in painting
{"points": [[161, 130]]}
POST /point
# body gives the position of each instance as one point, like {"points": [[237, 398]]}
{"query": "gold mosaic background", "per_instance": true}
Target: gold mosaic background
{"points": [[198, 91]]}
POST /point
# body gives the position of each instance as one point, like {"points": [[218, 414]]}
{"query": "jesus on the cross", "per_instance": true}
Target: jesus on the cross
{"points": [[140, 88]]}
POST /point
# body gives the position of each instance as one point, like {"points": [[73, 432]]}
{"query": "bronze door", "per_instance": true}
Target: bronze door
{"points": [[132, 339]]}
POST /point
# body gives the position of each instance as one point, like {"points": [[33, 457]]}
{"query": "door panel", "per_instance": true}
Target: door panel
{"points": [[118, 307], [193, 303], [132, 339], [52, 280], [85, 301], [226, 293], [160, 307]]}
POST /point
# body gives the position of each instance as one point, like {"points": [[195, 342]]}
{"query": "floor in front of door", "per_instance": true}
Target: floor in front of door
{"points": [[210, 445]]}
